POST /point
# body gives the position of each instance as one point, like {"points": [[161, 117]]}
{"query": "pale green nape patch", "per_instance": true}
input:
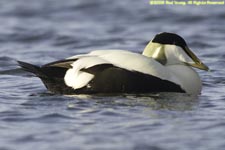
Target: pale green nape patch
{"points": [[156, 51]]}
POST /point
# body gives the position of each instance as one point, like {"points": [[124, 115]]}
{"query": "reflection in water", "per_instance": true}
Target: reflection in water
{"points": [[169, 101], [158, 101]]}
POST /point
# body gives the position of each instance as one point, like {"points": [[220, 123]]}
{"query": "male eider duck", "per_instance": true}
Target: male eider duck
{"points": [[164, 66]]}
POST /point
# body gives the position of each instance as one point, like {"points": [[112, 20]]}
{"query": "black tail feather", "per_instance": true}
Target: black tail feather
{"points": [[36, 70], [51, 76]]}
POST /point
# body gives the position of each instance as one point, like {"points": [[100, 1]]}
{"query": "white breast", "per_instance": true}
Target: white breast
{"points": [[186, 77]]}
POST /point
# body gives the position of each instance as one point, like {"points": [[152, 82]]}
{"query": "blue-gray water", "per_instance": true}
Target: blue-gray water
{"points": [[40, 31]]}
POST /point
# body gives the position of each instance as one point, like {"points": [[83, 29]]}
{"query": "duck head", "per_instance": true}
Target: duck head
{"points": [[171, 49]]}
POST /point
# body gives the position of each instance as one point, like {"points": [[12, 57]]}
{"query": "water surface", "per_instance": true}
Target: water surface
{"points": [[46, 30]]}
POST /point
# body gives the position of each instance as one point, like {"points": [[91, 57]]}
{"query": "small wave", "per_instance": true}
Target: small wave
{"points": [[54, 116], [143, 146], [7, 63], [65, 40], [24, 36], [43, 118], [191, 19], [6, 58], [202, 45], [16, 72], [9, 66]]}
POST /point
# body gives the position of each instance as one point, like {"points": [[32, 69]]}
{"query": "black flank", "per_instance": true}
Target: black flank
{"points": [[107, 79], [118, 80]]}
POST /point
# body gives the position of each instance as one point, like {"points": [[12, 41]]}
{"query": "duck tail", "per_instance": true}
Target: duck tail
{"points": [[52, 77], [36, 70]]}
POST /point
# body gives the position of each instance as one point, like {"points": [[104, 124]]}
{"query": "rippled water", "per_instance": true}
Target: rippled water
{"points": [[40, 31]]}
